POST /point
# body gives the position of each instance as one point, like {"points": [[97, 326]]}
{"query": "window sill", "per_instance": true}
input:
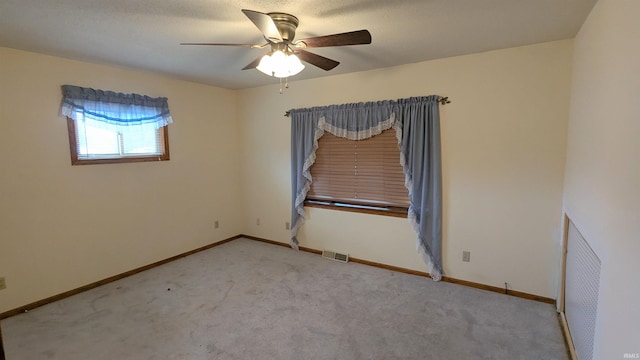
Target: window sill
{"points": [[393, 212], [119, 160]]}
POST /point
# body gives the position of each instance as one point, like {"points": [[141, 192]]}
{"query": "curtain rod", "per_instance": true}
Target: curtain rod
{"points": [[443, 100]]}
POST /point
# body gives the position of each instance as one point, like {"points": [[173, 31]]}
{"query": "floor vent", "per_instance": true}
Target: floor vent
{"points": [[335, 256]]}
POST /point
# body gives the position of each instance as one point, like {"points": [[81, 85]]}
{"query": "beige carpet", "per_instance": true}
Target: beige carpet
{"points": [[250, 300]]}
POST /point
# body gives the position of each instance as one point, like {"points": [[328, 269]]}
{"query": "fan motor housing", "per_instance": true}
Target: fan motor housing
{"points": [[286, 24]]}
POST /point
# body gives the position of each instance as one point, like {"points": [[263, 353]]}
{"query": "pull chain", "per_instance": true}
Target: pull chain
{"points": [[286, 84]]}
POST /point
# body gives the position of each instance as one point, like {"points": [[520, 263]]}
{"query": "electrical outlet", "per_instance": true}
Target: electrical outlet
{"points": [[257, 221], [287, 225], [3, 283], [216, 224], [466, 256]]}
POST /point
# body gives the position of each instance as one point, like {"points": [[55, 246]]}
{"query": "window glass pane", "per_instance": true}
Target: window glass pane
{"points": [[140, 139], [94, 140]]}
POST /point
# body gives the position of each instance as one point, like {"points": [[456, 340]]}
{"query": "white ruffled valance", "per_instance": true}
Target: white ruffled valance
{"points": [[360, 134]]}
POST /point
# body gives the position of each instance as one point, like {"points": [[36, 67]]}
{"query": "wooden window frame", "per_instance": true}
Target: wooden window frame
{"points": [[75, 160]]}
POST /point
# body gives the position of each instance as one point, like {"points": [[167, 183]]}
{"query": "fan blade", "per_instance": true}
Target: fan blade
{"points": [[219, 44], [317, 60], [254, 63], [265, 24], [349, 38]]}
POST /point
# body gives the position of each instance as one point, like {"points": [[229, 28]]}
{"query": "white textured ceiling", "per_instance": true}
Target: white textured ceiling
{"points": [[145, 34]]}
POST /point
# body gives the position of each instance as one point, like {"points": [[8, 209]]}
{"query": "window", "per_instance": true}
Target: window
{"points": [[108, 127], [91, 142], [363, 176]]}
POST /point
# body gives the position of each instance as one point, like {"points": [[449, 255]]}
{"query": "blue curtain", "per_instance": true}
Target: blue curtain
{"points": [[113, 108], [417, 124], [421, 160]]}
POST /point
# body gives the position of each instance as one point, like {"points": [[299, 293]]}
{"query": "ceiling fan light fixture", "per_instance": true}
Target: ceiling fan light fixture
{"points": [[265, 65], [294, 64], [280, 65]]}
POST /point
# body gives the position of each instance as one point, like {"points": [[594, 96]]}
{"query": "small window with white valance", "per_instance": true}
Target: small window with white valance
{"points": [[109, 127]]}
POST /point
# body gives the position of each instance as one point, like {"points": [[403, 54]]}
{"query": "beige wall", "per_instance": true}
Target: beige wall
{"points": [[503, 151], [503, 139], [602, 186], [64, 226]]}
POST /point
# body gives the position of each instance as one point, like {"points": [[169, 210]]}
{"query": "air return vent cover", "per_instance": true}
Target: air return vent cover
{"points": [[582, 287], [331, 255]]}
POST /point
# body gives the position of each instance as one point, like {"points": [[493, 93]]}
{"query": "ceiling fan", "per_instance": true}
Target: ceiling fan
{"points": [[279, 31]]}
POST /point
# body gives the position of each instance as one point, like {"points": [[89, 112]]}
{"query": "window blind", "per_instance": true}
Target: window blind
{"points": [[365, 172]]}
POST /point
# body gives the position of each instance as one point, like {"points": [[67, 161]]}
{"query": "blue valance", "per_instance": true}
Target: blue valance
{"points": [[113, 108], [416, 122]]}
